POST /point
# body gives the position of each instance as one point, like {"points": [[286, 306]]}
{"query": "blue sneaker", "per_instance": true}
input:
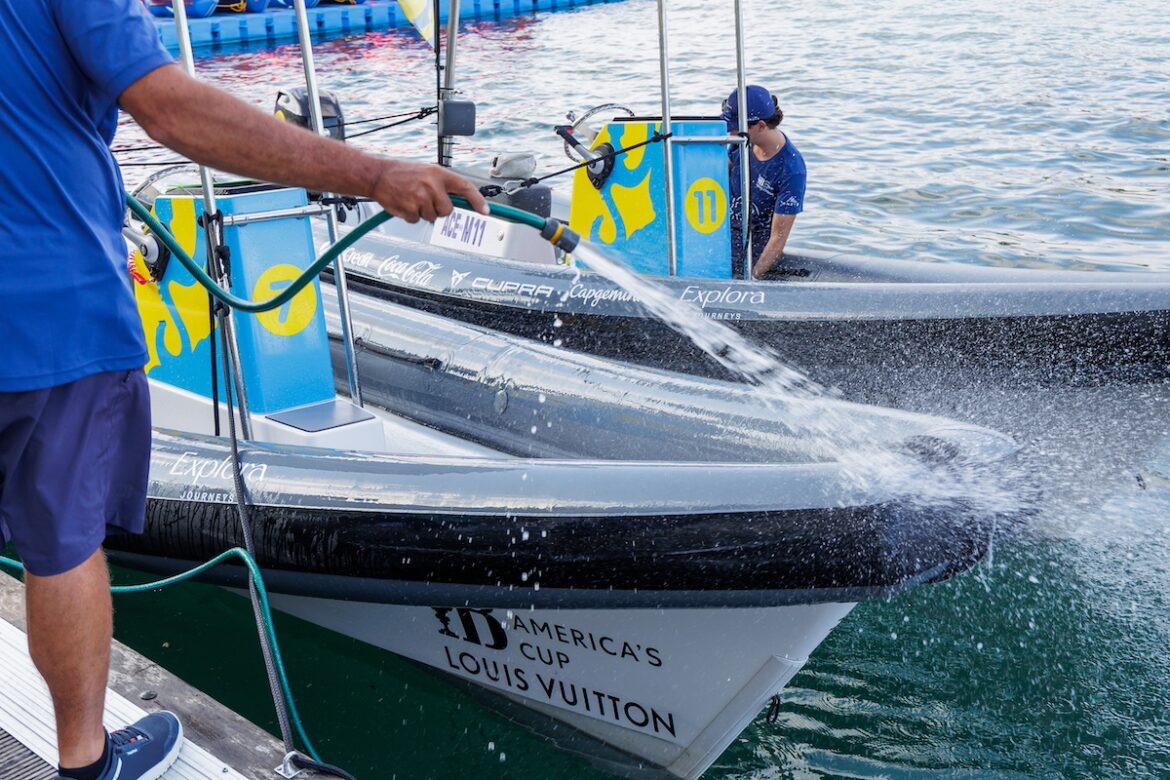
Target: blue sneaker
{"points": [[144, 750]]}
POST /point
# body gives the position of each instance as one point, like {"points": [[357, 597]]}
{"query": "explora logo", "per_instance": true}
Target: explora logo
{"points": [[469, 628]]}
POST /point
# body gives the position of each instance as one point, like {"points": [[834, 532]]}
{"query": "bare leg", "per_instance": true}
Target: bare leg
{"points": [[70, 626]]}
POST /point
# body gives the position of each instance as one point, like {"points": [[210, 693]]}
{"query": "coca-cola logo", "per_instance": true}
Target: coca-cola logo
{"points": [[419, 273]]}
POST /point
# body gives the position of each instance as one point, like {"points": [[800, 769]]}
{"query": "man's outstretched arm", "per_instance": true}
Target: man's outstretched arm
{"points": [[216, 129]]}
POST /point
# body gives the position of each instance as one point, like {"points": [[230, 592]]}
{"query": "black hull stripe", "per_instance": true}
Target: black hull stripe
{"points": [[859, 549]]}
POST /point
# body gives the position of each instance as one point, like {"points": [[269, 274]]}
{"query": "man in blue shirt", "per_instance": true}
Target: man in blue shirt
{"points": [[74, 408], [777, 176]]}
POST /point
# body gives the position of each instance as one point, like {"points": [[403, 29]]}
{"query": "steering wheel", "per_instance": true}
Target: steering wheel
{"points": [[583, 132]]}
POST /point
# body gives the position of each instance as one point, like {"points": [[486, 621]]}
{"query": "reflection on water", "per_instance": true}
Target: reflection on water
{"points": [[1010, 134]]}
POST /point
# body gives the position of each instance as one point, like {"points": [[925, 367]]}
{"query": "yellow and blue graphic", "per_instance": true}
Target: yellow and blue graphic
{"points": [[627, 215], [284, 352], [421, 15]]}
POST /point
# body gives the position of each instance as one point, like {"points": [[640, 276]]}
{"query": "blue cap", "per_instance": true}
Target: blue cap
{"points": [[760, 105]]}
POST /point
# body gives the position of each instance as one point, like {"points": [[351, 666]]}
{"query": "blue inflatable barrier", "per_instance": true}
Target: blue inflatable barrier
{"points": [[196, 9], [340, 17], [243, 6]]}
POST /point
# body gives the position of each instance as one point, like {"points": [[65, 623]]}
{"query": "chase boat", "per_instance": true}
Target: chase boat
{"points": [[653, 191], [644, 604], [861, 324], [652, 605]]}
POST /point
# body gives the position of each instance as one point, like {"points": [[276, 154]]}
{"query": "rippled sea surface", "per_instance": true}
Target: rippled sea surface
{"points": [[1025, 133]]}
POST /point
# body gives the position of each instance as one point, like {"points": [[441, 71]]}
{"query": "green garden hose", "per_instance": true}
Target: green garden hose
{"points": [[266, 610], [554, 232]]}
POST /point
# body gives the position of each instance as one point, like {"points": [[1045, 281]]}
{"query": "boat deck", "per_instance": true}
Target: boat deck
{"points": [[219, 743], [278, 24]]}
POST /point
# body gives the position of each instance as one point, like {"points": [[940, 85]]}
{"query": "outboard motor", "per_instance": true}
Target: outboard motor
{"points": [[292, 106], [509, 171]]}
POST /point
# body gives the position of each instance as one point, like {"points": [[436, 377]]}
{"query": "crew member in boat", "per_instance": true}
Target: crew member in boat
{"points": [[777, 176], [74, 406]]}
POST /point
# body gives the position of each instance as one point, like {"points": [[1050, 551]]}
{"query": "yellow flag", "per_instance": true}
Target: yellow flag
{"points": [[421, 15]]}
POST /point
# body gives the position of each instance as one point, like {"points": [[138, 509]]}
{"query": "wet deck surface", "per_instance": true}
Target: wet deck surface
{"points": [[219, 743]]}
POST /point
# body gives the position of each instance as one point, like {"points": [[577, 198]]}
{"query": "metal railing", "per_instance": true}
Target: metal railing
{"points": [[212, 219], [741, 140]]}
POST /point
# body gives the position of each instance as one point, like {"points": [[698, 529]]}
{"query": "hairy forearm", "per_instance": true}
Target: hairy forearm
{"points": [[216, 129], [211, 127]]}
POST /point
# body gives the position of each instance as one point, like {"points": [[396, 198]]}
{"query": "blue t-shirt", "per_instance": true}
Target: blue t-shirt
{"points": [[777, 188], [66, 310]]}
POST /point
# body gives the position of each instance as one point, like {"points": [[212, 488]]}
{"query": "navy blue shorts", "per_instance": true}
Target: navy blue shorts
{"points": [[74, 459]]}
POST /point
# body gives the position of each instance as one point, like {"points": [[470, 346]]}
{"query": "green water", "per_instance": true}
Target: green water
{"points": [[366, 710]]}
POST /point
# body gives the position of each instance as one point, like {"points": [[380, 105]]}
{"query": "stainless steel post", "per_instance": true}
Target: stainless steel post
{"points": [[340, 283], [211, 238], [667, 150], [746, 149], [446, 143]]}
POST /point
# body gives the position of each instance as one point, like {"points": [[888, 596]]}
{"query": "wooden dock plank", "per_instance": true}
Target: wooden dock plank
{"points": [[17, 762], [220, 743]]}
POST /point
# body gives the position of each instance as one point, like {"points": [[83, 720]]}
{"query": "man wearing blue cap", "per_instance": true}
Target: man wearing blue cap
{"points": [[74, 404], [777, 176]]}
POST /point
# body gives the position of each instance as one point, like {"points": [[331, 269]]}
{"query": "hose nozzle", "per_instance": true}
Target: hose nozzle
{"points": [[559, 235]]}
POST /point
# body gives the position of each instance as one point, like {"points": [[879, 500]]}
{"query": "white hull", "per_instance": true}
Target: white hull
{"points": [[670, 688]]}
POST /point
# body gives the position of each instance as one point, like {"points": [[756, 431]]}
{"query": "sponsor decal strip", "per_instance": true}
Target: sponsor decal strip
{"points": [[474, 640], [421, 273]]}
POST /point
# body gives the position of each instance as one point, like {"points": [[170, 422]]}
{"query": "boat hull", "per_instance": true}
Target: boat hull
{"points": [[861, 325], [526, 533], [664, 689], [597, 596]]}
